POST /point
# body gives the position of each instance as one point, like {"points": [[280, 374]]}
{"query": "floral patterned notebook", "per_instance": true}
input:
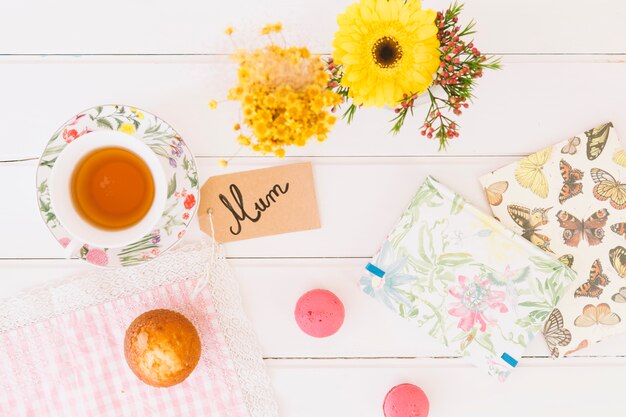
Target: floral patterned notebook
{"points": [[570, 200], [465, 279]]}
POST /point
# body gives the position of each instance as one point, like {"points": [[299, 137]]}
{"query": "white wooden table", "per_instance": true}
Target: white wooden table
{"points": [[564, 72]]}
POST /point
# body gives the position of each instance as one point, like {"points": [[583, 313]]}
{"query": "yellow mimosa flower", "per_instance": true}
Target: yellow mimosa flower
{"points": [[284, 96]]}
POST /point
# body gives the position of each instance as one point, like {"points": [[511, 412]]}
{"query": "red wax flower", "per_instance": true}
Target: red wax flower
{"points": [[190, 201]]}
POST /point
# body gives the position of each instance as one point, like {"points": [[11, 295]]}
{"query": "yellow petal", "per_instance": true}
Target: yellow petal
{"points": [[383, 10]]}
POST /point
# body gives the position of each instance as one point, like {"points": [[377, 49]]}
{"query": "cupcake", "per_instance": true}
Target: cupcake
{"points": [[162, 347]]}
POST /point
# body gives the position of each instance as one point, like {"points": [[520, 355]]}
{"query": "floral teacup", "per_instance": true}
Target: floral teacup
{"points": [[82, 232], [168, 159]]}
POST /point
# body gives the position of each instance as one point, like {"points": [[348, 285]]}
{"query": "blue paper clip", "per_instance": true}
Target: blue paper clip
{"points": [[375, 270], [509, 359]]}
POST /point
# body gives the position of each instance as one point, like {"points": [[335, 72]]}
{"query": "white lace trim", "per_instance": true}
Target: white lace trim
{"points": [[203, 259]]}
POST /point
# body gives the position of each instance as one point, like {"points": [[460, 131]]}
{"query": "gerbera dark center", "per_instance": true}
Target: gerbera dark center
{"points": [[386, 52]]}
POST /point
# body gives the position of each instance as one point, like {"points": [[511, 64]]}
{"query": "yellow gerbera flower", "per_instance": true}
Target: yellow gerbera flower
{"points": [[387, 48]]}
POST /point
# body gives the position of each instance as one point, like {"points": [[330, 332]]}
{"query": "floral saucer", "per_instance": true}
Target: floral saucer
{"points": [[175, 158]]}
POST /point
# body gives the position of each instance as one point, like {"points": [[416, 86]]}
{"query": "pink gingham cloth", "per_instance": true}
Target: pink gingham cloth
{"points": [[73, 364]]}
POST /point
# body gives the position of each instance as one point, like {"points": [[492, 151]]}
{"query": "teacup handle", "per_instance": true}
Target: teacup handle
{"points": [[72, 247]]}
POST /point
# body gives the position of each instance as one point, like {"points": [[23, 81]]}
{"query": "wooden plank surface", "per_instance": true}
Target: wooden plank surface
{"points": [[357, 388], [191, 26], [270, 289], [564, 70], [344, 187], [529, 104]]}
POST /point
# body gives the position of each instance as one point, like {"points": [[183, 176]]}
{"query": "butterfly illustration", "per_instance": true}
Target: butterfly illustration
{"points": [[596, 140], [582, 345], [619, 158], [620, 296], [570, 146], [554, 332], [530, 221], [593, 315], [529, 173], [589, 230], [495, 191], [608, 188], [571, 181], [567, 260], [597, 279], [617, 255], [619, 228]]}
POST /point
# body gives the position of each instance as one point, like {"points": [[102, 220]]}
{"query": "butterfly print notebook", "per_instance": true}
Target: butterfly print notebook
{"points": [[465, 279], [570, 200]]}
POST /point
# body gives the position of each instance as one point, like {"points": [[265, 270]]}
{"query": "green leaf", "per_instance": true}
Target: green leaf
{"points": [[413, 313], [101, 122], [468, 339], [169, 209], [539, 286], [49, 163], [446, 276], [349, 113], [546, 264], [171, 187], [457, 204], [569, 274], [484, 339], [459, 336], [454, 259], [525, 322], [401, 310], [193, 180], [43, 205], [539, 314], [533, 304], [56, 135]]}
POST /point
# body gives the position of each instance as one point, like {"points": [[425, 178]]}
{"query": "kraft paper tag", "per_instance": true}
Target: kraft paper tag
{"points": [[260, 202]]}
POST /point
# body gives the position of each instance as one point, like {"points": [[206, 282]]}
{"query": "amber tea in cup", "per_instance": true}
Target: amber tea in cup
{"points": [[112, 188]]}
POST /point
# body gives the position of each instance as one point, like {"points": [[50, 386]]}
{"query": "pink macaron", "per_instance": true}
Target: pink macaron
{"points": [[319, 313], [406, 400]]}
